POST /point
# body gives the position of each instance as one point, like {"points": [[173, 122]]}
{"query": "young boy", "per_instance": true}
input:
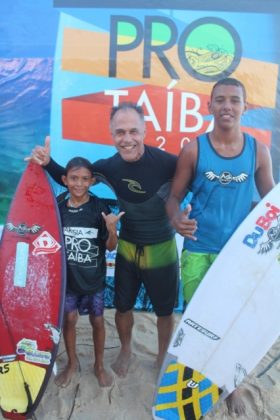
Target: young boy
{"points": [[88, 230]]}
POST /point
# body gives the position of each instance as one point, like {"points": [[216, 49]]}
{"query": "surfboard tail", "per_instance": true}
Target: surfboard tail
{"points": [[184, 394], [14, 416]]}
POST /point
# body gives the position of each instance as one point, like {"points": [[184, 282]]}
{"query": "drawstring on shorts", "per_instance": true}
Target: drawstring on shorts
{"points": [[139, 252]]}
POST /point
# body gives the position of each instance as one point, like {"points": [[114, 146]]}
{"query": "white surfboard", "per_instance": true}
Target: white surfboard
{"points": [[231, 322]]}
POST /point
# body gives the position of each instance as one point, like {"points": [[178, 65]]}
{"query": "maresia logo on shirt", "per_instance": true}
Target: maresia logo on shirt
{"points": [[134, 186]]}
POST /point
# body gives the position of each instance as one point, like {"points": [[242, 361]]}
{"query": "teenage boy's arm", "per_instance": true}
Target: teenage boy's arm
{"points": [[183, 176], [264, 175], [111, 221]]}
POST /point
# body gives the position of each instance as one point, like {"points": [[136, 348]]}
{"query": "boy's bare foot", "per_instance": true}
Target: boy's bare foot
{"points": [[103, 377], [64, 378], [121, 364], [235, 404]]}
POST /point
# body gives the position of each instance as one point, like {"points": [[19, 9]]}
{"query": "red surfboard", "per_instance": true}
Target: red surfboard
{"points": [[32, 290]]}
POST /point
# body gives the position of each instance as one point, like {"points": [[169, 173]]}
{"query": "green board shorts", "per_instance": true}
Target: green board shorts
{"points": [[193, 268], [156, 266]]}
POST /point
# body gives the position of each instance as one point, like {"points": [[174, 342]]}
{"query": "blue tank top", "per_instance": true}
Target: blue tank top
{"points": [[223, 189]]}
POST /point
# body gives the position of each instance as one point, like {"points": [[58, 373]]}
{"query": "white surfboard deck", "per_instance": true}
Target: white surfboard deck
{"points": [[231, 322]]}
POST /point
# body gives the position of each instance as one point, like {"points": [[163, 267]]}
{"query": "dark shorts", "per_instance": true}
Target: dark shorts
{"points": [[156, 266], [85, 305]]}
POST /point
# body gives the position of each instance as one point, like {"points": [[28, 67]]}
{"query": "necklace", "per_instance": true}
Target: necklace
{"points": [[77, 204]]}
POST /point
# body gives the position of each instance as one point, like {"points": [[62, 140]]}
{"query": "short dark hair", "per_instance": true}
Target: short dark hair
{"points": [[124, 106], [77, 163], [230, 81]]}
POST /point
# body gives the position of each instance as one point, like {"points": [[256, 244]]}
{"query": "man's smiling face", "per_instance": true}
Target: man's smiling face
{"points": [[128, 132]]}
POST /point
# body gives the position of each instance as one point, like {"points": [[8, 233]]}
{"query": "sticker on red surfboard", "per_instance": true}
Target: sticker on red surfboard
{"points": [[32, 290]]}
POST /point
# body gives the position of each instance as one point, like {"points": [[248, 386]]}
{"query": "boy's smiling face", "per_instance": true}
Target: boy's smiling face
{"points": [[78, 181]]}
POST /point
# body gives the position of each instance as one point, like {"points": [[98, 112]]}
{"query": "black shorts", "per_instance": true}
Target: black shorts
{"points": [[156, 266]]}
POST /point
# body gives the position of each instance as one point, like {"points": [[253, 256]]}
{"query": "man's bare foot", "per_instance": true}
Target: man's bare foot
{"points": [[121, 364], [235, 404], [64, 378], [103, 377]]}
